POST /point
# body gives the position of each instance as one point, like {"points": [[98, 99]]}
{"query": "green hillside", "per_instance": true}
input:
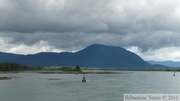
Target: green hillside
{"points": [[10, 66]]}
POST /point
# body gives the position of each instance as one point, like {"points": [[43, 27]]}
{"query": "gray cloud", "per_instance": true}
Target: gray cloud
{"points": [[53, 16], [75, 41]]}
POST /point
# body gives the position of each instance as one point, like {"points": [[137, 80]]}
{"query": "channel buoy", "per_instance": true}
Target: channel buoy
{"points": [[84, 79]]}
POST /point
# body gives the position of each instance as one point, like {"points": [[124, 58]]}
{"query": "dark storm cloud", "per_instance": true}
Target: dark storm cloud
{"points": [[115, 16], [53, 15], [76, 15]]}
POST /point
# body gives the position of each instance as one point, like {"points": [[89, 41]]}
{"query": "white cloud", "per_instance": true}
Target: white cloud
{"points": [[162, 54], [42, 46]]}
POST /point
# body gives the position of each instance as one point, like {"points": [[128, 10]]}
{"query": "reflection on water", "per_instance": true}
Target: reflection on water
{"points": [[99, 87]]}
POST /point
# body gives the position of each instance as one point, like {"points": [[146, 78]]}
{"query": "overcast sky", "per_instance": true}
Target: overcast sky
{"points": [[150, 28]]}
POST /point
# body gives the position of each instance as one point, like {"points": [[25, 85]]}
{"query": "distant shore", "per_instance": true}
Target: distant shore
{"points": [[84, 72], [92, 71], [5, 78]]}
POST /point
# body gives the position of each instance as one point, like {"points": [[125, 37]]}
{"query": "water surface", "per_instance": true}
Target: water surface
{"points": [[99, 87]]}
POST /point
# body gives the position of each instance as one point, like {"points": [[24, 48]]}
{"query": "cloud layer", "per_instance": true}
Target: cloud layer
{"points": [[147, 27]]}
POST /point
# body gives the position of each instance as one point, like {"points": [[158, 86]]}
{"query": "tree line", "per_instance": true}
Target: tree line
{"points": [[10, 66]]}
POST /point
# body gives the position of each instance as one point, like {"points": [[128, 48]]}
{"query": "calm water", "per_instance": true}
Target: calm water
{"points": [[99, 87]]}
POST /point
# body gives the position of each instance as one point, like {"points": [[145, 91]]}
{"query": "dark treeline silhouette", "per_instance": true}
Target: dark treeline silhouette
{"points": [[10, 66], [77, 68]]}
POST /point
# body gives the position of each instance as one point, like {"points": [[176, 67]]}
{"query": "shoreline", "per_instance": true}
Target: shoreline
{"points": [[85, 72], [67, 72], [5, 78]]}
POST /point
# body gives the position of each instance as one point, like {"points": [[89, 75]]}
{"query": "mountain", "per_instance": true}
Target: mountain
{"points": [[166, 63], [93, 56], [110, 56], [7, 57]]}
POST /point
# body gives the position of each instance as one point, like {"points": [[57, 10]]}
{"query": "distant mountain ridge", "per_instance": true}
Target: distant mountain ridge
{"points": [[166, 63], [95, 55], [8, 57]]}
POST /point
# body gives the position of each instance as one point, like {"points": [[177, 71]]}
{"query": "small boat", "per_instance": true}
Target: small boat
{"points": [[84, 79]]}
